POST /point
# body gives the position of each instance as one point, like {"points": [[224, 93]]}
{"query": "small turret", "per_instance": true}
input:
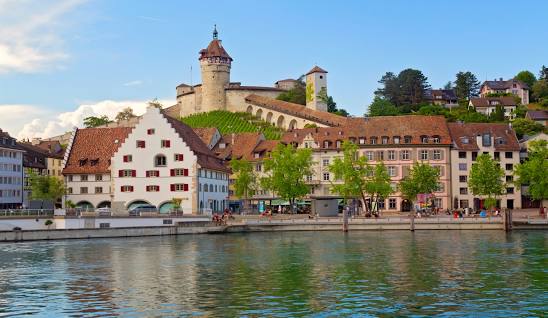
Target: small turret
{"points": [[316, 89]]}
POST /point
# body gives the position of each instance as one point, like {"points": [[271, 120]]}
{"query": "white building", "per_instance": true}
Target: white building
{"points": [[162, 159], [488, 105], [11, 172]]}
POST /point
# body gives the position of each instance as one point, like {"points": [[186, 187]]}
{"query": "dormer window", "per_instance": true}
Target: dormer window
{"points": [[486, 140], [424, 139], [407, 139], [362, 140], [326, 144], [373, 140], [257, 155], [494, 102], [464, 140], [338, 143], [384, 140], [222, 145], [82, 162], [94, 162], [436, 139], [396, 139]]}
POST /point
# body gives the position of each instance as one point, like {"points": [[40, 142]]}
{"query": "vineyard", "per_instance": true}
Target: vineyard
{"points": [[228, 122]]}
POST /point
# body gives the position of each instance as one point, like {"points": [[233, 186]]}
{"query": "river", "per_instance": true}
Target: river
{"points": [[281, 274]]}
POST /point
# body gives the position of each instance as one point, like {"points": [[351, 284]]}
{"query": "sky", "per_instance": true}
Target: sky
{"points": [[64, 60]]}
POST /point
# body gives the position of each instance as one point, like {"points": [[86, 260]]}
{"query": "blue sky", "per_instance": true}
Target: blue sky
{"points": [[62, 60]]}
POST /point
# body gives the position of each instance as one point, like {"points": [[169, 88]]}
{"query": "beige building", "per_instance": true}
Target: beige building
{"points": [[512, 86], [488, 105], [471, 140]]}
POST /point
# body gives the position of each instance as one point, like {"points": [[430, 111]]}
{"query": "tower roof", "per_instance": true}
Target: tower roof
{"points": [[215, 48], [316, 69]]}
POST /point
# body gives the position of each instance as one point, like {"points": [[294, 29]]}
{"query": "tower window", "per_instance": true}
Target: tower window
{"points": [[321, 76]]}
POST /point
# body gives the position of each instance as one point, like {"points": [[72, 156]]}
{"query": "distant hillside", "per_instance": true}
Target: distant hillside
{"points": [[229, 122]]}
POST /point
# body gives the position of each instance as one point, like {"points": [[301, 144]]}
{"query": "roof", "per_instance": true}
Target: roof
{"points": [[446, 94], [263, 148], [383, 126], [6, 141], [206, 158], [92, 149], [206, 133], [53, 148], [486, 101], [255, 88], [504, 84], [316, 69], [214, 49], [297, 110], [290, 80], [537, 114], [34, 157], [464, 135], [238, 145]]}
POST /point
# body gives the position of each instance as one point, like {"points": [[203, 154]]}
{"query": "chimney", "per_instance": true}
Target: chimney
{"points": [[500, 79]]}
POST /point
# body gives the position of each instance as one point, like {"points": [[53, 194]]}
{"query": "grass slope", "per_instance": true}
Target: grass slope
{"points": [[229, 122]]}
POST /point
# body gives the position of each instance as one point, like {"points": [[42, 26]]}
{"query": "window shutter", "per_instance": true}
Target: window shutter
{"points": [[168, 143], [185, 172], [442, 154], [148, 189], [120, 173], [148, 173], [157, 188], [125, 158], [131, 188], [133, 173], [172, 186], [122, 189], [185, 187], [172, 172]]}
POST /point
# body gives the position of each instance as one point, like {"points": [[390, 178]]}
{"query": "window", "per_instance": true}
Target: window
{"points": [[325, 162], [438, 203], [165, 143], [362, 141], [486, 140], [392, 171], [474, 155], [128, 158], [508, 155], [437, 154], [510, 190], [405, 155], [462, 154], [464, 140], [83, 190], [140, 144], [167, 221], [178, 172], [180, 187], [509, 178], [69, 190], [98, 177], [326, 176], [153, 188], [309, 178], [151, 131], [70, 178], [127, 173], [126, 188], [424, 154], [380, 155], [436, 139], [178, 157], [104, 225], [391, 155], [373, 140], [384, 140], [462, 167], [463, 178], [338, 143], [205, 187], [258, 167], [152, 173], [392, 204], [407, 139], [160, 161], [464, 204], [439, 187], [496, 155], [98, 189], [380, 203], [396, 139], [326, 144], [84, 177], [463, 190], [509, 166], [369, 155], [424, 139]]}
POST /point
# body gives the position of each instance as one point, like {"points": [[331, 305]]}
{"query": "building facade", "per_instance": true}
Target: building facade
{"points": [[512, 86], [473, 139], [488, 105], [11, 172]]}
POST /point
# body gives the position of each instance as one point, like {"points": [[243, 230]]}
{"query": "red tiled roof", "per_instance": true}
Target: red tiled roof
{"points": [[316, 69], [297, 110], [92, 149], [214, 49], [238, 145], [505, 137], [52, 148], [486, 101], [205, 133], [264, 147]]}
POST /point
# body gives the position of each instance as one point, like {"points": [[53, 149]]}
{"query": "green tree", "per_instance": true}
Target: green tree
{"points": [[486, 179], [543, 74], [176, 203], [497, 115], [466, 85], [286, 170], [331, 105], [377, 184], [93, 121], [46, 187], [448, 85], [390, 89], [125, 114], [534, 171], [422, 179], [540, 90], [382, 107], [413, 85], [245, 184], [352, 170], [526, 126], [526, 77]]}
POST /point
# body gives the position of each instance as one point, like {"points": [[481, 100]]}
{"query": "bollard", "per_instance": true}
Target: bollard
{"points": [[412, 222], [345, 220]]}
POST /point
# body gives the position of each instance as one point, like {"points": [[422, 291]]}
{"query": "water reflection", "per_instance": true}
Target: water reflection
{"points": [[462, 273]]}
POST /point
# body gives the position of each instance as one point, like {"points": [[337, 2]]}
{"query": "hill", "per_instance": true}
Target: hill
{"points": [[229, 122]]}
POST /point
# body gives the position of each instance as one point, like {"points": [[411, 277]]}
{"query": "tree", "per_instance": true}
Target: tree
{"points": [[540, 90], [526, 126], [352, 169], [382, 107], [297, 94], [543, 74], [390, 89], [466, 85], [286, 170], [331, 105], [422, 179], [378, 184], [125, 114], [448, 85], [497, 115], [93, 121], [155, 103], [534, 171], [46, 187], [176, 203], [486, 179], [413, 85], [245, 184], [526, 77]]}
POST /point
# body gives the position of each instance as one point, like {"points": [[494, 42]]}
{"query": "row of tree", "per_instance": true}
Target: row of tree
{"points": [[286, 170], [124, 114]]}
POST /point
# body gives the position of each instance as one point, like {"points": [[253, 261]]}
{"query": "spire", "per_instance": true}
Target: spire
{"points": [[215, 33]]}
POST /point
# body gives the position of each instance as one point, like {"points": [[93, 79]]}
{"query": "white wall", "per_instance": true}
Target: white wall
{"points": [[6, 170], [94, 198]]}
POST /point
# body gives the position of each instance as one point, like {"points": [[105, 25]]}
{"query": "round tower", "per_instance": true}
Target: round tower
{"points": [[215, 65]]}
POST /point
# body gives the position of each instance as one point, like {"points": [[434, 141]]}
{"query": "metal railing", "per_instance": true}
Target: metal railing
{"points": [[25, 212]]}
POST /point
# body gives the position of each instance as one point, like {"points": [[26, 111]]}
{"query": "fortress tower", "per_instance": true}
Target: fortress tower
{"points": [[316, 87], [215, 65]]}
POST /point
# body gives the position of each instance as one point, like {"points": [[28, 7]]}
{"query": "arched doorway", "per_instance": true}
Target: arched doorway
{"points": [[281, 122], [137, 203], [249, 109], [104, 204], [85, 205], [292, 124], [166, 207], [406, 205], [269, 117], [259, 113]]}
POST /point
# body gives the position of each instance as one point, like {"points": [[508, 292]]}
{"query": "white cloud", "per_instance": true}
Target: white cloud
{"points": [[133, 83], [50, 124], [29, 33]]}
